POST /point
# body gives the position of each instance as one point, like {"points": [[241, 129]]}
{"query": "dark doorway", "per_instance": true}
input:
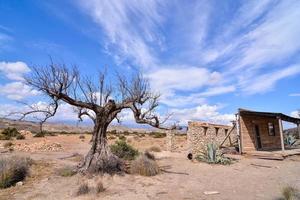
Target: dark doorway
{"points": [[257, 135]]}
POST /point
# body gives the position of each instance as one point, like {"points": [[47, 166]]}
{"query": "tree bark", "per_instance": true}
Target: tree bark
{"points": [[100, 158]]}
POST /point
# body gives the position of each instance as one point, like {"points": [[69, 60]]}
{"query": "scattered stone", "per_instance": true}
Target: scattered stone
{"points": [[20, 183], [43, 146], [211, 192]]}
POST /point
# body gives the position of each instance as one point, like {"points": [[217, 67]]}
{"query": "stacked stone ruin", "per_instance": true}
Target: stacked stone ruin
{"points": [[200, 134]]}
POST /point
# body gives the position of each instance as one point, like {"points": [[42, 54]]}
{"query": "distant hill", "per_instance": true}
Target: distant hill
{"points": [[58, 127]]}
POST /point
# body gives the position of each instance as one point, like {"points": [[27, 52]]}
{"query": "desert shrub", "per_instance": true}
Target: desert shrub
{"points": [[111, 137], [83, 189], [4, 137], [13, 170], [124, 150], [144, 166], [158, 134], [126, 133], [81, 137], [213, 156], [66, 171], [20, 137], [149, 155], [10, 132], [122, 137], [112, 132], [8, 144], [290, 193], [154, 149], [99, 187], [142, 135], [40, 134]]}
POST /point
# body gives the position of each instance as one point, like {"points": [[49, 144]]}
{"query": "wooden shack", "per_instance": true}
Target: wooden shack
{"points": [[259, 131]]}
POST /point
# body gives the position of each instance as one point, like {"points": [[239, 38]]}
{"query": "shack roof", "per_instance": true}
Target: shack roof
{"points": [[270, 114]]}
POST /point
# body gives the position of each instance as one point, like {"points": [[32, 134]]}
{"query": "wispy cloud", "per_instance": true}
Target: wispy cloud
{"points": [[193, 51]]}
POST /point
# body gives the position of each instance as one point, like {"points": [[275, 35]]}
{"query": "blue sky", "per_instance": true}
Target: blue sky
{"points": [[206, 58]]}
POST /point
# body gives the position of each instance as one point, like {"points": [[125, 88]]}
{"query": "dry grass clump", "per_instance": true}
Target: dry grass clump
{"points": [[99, 187], [290, 193], [66, 171], [149, 155], [8, 144], [154, 149], [13, 169], [144, 166], [83, 189]]}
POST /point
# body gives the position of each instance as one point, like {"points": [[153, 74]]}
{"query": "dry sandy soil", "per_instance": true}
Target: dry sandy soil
{"points": [[180, 178]]}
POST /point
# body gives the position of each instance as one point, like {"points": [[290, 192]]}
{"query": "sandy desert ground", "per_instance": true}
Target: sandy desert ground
{"points": [[179, 179]]}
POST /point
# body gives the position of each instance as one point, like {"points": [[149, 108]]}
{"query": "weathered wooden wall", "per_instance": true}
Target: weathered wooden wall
{"points": [[247, 127]]}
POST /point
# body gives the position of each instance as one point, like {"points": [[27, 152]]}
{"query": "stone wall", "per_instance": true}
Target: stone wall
{"points": [[199, 134]]}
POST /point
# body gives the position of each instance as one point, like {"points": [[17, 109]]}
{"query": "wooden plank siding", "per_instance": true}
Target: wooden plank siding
{"points": [[248, 136]]}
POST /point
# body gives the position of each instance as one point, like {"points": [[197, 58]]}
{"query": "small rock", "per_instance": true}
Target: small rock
{"points": [[20, 183]]}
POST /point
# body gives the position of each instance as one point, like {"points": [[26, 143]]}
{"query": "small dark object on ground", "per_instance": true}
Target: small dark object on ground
{"points": [[190, 156], [8, 144]]}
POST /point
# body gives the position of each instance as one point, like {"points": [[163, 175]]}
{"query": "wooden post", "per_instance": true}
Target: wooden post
{"points": [[281, 133], [298, 127], [239, 132]]}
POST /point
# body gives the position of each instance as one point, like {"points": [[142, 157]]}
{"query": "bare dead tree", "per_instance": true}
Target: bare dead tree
{"points": [[40, 113], [100, 102]]}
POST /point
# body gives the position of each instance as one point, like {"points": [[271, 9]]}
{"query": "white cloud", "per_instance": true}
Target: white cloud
{"points": [[14, 70], [295, 113], [294, 95], [267, 81], [17, 91], [218, 90], [203, 112], [182, 78], [116, 18]]}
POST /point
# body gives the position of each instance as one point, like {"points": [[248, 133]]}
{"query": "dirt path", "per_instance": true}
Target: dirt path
{"points": [[181, 179]]}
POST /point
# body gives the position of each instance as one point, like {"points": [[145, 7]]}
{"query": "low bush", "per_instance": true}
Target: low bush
{"points": [[40, 134], [112, 132], [4, 137], [13, 169], [290, 193], [8, 144], [20, 137], [111, 137], [10, 132], [81, 137], [154, 149], [122, 137], [158, 134], [124, 150], [144, 166], [83, 189], [213, 156], [66, 171]]}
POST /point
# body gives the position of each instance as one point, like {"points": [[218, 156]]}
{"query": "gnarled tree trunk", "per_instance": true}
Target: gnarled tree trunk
{"points": [[99, 157]]}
